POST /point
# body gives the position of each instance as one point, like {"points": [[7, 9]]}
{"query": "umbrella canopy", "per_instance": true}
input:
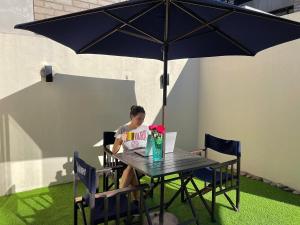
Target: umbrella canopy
{"points": [[190, 29]]}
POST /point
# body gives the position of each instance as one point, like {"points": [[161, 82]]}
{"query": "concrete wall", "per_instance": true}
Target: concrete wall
{"points": [[13, 12], [297, 5], [270, 5], [256, 100], [49, 8], [41, 124]]}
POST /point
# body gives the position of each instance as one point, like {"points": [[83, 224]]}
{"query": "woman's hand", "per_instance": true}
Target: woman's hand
{"points": [[124, 137]]}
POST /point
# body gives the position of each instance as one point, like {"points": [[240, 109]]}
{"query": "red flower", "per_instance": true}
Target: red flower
{"points": [[161, 129], [153, 127]]}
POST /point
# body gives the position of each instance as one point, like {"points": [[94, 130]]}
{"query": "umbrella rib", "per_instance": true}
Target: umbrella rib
{"points": [[240, 10], [216, 29], [82, 13], [115, 29], [137, 35], [133, 27], [207, 24]]}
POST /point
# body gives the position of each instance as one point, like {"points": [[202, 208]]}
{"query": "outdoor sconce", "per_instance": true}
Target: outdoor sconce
{"points": [[47, 73], [162, 81]]}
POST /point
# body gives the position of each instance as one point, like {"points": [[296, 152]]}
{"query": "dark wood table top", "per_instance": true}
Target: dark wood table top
{"points": [[175, 162]]}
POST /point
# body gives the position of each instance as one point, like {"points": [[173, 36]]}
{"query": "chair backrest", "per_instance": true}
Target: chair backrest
{"points": [[228, 147], [85, 173], [108, 138]]}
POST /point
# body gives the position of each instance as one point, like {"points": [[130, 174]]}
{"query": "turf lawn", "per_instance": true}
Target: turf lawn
{"points": [[261, 204]]}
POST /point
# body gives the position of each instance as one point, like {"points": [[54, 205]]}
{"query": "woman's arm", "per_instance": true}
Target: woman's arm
{"points": [[117, 145], [121, 137]]}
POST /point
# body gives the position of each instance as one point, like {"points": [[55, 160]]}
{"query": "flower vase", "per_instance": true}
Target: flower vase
{"points": [[150, 143], [157, 149]]}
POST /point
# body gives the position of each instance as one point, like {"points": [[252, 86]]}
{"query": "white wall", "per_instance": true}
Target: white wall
{"points": [[41, 124], [254, 100], [270, 5], [13, 12], [257, 101]]}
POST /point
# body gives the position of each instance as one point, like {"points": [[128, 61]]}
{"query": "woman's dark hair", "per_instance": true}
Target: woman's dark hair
{"points": [[135, 110]]}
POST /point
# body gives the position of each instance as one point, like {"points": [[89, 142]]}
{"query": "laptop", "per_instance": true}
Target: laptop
{"points": [[170, 145]]}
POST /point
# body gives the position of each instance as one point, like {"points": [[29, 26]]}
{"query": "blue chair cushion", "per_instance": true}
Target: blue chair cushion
{"points": [[112, 203], [206, 174]]}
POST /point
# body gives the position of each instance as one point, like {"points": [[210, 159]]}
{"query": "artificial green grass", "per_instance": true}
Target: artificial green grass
{"points": [[261, 204]]}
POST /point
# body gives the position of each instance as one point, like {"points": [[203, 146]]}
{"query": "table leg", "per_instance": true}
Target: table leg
{"points": [[183, 188], [191, 205], [153, 185], [161, 217], [179, 191], [161, 211]]}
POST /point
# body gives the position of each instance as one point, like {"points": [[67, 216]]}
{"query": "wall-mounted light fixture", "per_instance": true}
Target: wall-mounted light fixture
{"points": [[162, 81], [47, 73]]}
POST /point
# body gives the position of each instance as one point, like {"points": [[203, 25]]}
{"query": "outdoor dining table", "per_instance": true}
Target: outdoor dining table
{"points": [[178, 162]]}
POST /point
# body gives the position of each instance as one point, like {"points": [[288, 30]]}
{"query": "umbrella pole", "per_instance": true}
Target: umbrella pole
{"points": [[165, 52], [165, 81]]}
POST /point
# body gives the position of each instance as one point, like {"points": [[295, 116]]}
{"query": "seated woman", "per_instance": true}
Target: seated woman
{"points": [[137, 116]]}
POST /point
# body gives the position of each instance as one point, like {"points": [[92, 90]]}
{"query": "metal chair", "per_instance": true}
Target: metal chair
{"points": [[105, 206], [110, 162], [115, 165], [221, 178]]}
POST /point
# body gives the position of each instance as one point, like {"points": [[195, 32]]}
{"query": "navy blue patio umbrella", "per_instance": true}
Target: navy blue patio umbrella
{"points": [[167, 30]]}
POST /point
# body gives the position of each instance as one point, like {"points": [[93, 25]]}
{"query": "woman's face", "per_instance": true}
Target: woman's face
{"points": [[138, 119]]}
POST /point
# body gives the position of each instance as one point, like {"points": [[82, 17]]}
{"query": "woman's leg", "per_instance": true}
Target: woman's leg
{"points": [[126, 178], [134, 183], [129, 179]]}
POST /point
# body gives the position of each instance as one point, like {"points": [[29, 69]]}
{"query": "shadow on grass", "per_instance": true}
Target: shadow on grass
{"points": [[44, 206], [53, 205]]}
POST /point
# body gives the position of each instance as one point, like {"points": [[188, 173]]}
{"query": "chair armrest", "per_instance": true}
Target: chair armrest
{"points": [[198, 151], [104, 171], [112, 193], [108, 151], [114, 166]]}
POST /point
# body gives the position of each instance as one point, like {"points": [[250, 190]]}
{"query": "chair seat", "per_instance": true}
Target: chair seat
{"points": [[112, 203], [206, 174]]}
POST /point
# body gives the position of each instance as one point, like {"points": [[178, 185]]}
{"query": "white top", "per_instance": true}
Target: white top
{"points": [[140, 137]]}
